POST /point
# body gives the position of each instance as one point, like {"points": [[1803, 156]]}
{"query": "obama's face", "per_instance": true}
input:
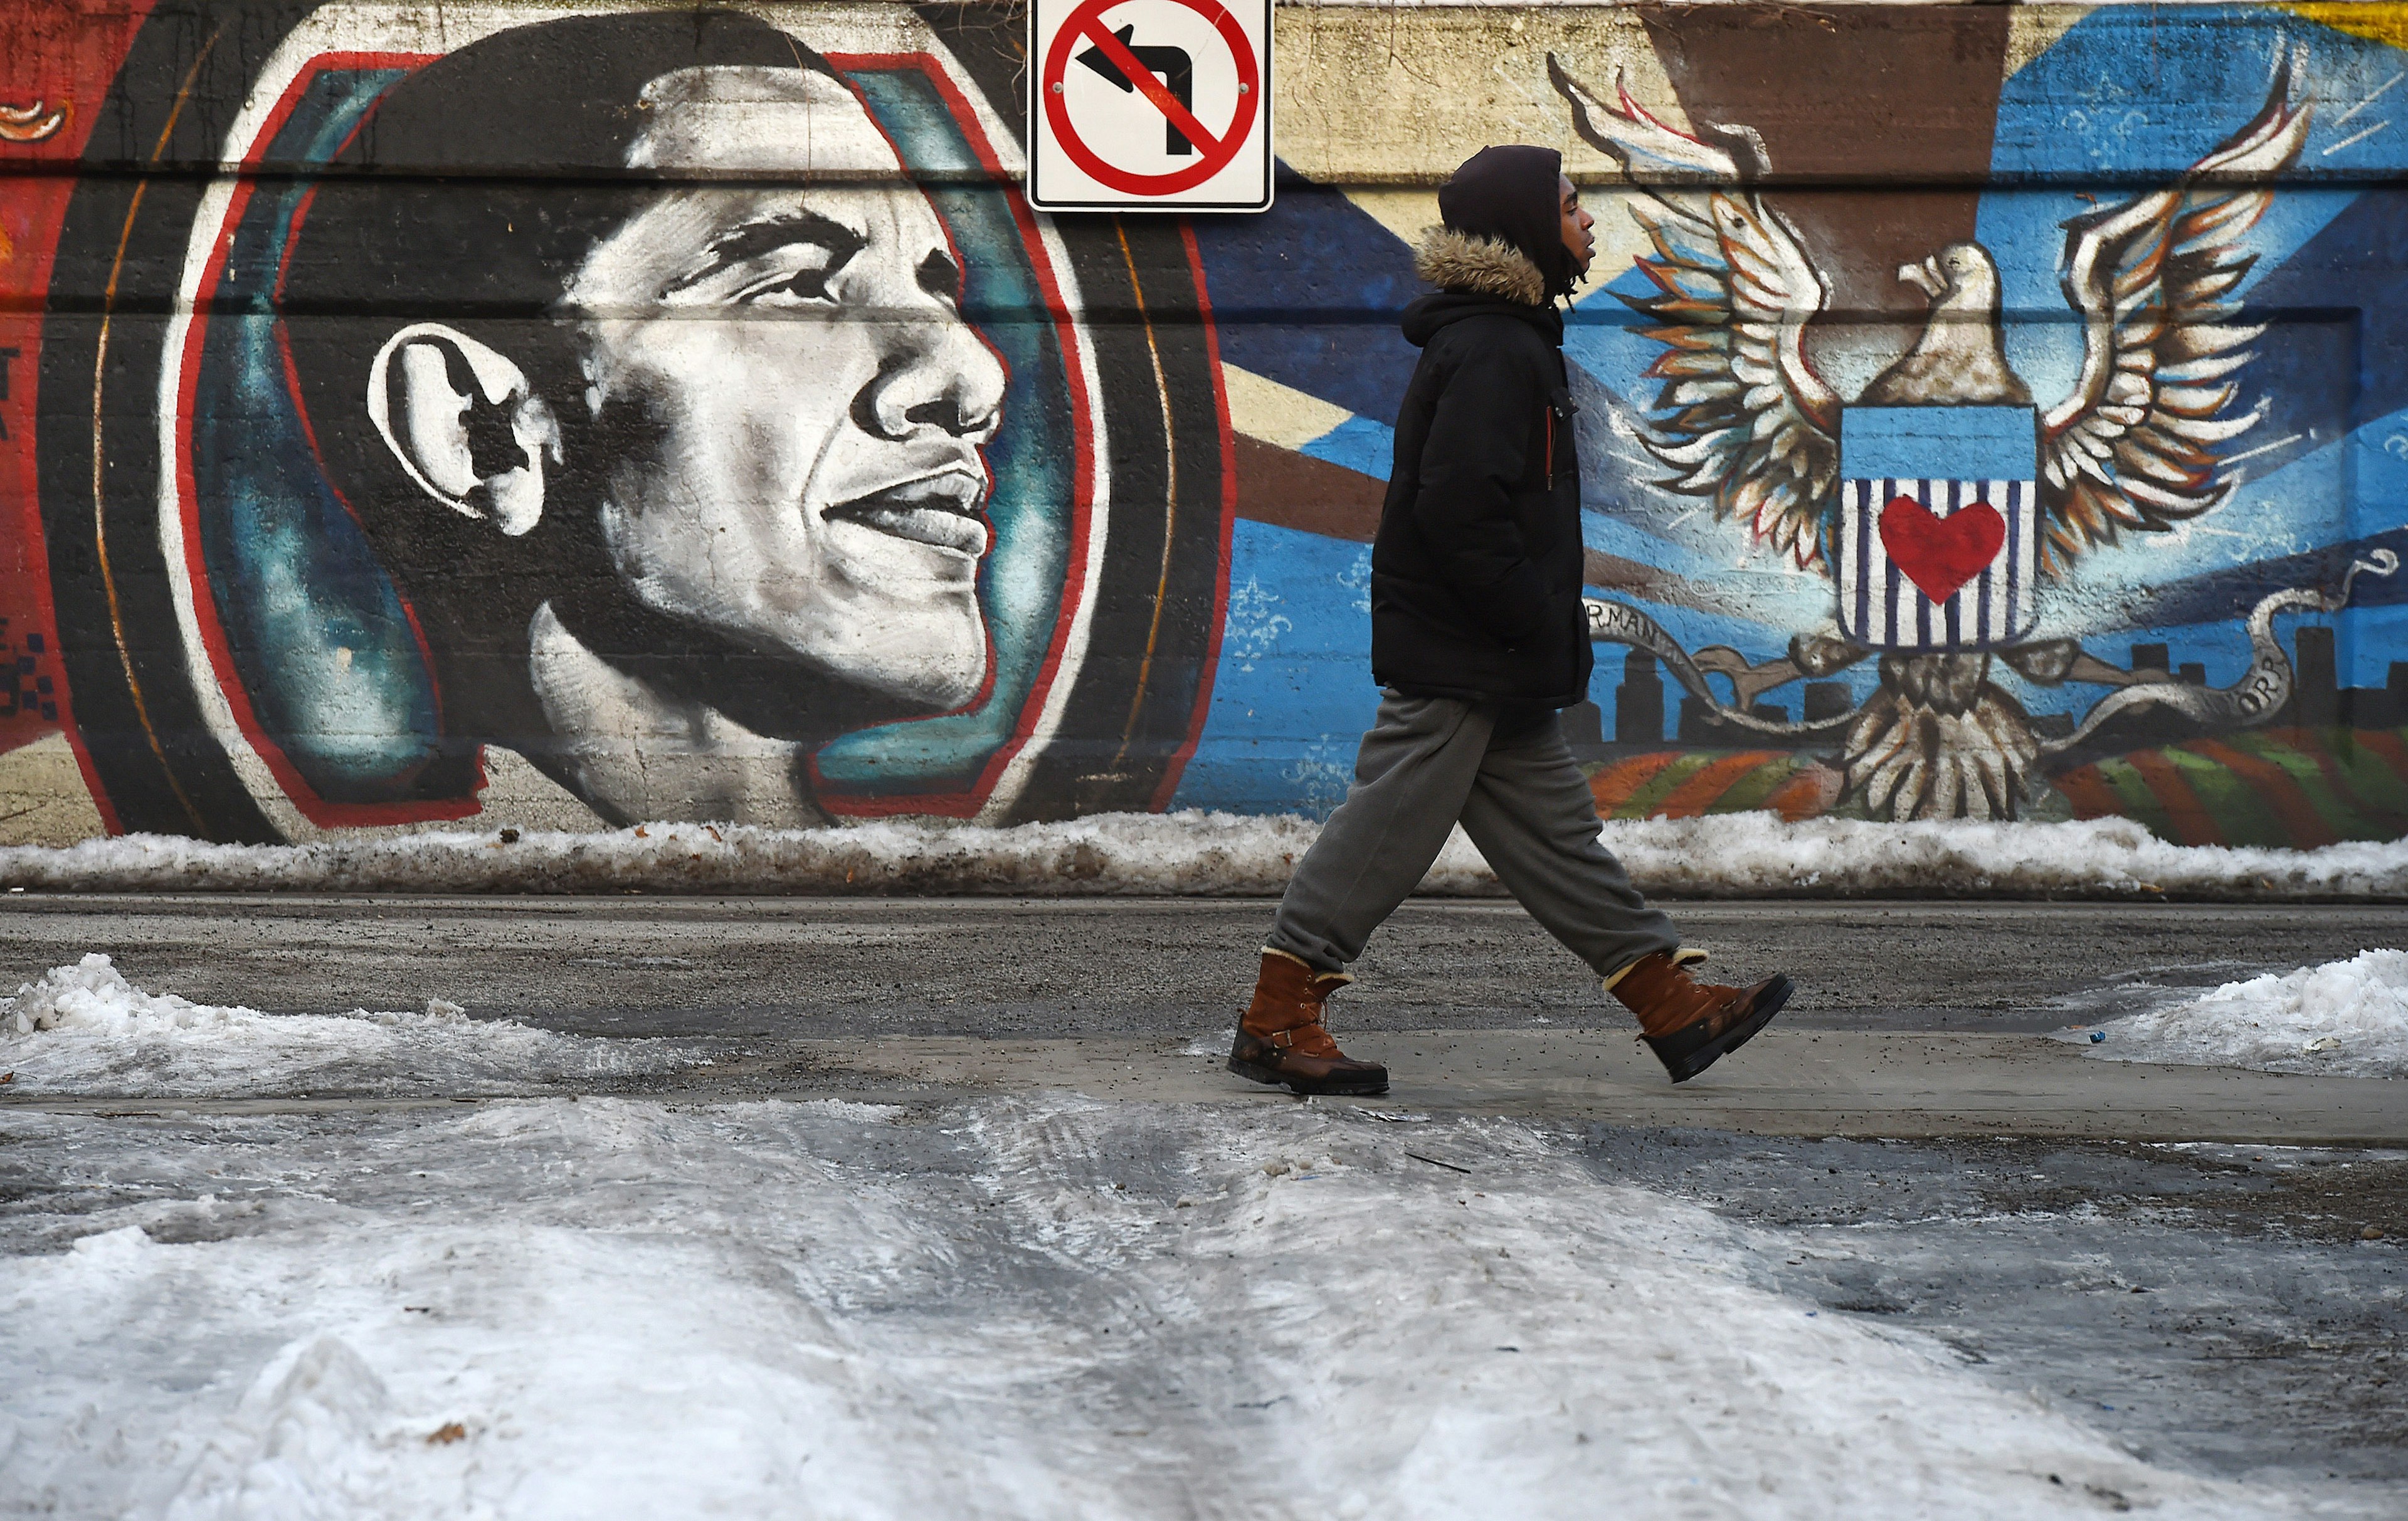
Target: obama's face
{"points": [[806, 406]]}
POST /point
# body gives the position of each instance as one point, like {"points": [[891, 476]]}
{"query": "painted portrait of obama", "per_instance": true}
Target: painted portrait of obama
{"points": [[640, 362]]}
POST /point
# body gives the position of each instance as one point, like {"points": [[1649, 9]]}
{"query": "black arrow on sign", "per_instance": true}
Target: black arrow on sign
{"points": [[1177, 70]]}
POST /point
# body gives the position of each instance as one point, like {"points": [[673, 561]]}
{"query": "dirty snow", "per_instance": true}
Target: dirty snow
{"points": [[1737, 855], [1043, 1308], [2342, 1019], [86, 1029]]}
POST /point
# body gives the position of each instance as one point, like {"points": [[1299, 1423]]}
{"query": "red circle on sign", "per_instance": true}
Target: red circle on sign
{"points": [[1087, 22]]}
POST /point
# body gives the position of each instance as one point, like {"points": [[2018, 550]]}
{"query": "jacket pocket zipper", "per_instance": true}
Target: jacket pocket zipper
{"points": [[1557, 405]]}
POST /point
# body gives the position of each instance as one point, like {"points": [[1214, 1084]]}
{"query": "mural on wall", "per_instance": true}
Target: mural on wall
{"points": [[1940, 497], [680, 410], [1986, 412], [577, 414]]}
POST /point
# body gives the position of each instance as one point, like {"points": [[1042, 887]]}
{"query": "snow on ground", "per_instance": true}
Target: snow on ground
{"points": [[2342, 1019], [1043, 1307], [1197, 853], [86, 1029]]}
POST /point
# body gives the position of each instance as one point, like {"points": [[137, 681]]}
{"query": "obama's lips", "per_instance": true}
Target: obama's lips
{"points": [[940, 511]]}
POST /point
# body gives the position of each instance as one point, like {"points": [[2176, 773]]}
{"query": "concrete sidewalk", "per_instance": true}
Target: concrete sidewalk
{"points": [[1800, 1083], [1808, 1082]]}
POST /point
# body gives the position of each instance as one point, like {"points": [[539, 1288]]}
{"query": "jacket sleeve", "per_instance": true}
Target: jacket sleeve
{"points": [[1476, 453]]}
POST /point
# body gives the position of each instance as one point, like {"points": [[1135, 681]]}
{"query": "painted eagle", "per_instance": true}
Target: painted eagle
{"points": [[1744, 418]]}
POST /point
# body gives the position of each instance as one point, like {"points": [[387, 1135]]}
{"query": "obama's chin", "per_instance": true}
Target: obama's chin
{"points": [[919, 661], [922, 694]]}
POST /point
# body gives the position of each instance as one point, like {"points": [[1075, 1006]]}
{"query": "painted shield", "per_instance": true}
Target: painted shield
{"points": [[1935, 543]]}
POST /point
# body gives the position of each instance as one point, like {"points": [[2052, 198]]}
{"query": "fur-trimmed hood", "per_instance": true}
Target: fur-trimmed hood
{"points": [[1454, 261]]}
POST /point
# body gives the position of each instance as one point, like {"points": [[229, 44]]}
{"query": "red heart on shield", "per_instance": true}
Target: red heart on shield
{"points": [[1940, 554]]}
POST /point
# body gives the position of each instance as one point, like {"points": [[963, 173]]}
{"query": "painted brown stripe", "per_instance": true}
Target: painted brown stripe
{"points": [[2191, 823], [1289, 489], [2362, 817], [1870, 100]]}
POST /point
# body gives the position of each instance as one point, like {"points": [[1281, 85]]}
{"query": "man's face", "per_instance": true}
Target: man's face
{"points": [[805, 477], [1578, 240]]}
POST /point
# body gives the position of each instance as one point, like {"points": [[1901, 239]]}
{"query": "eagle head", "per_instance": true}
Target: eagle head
{"points": [[1959, 360], [1959, 278]]}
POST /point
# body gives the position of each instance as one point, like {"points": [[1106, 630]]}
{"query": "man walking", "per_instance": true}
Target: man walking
{"points": [[1478, 637]]}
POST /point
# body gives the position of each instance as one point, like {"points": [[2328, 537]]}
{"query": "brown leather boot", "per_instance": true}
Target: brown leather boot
{"points": [[1282, 1039], [1688, 1024]]}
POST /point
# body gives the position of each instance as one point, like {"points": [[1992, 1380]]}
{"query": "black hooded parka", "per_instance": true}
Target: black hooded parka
{"points": [[1476, 572]]}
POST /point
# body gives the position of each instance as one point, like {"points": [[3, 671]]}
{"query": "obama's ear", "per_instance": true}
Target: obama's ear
{"points": [[464, 425]]}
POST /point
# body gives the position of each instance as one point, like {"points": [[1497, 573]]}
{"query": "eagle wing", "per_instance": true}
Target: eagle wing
{"points": [[2138, 444], [1750, 424]]}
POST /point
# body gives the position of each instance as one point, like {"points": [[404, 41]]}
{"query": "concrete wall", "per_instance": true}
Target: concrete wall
{"points": [[406, 416]]}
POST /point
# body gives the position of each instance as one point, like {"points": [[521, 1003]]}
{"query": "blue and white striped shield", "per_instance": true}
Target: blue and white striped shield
{"points": [[1935, 547]]}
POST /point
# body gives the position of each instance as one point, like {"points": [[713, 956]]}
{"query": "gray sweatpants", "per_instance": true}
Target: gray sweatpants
{"points": [[1429, 762]]}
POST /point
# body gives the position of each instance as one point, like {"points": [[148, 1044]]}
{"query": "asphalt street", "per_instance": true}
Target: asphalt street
{"points": [[855, 968], [1912, 1021]]}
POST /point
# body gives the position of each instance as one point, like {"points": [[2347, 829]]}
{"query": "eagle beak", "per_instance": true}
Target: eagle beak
{"points": [[1924, 277]]}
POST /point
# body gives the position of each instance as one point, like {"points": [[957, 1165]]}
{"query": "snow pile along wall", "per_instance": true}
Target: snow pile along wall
{"points": [[1750, 855], [2344, 1018]]}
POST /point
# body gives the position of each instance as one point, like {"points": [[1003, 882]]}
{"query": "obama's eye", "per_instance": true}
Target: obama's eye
{"points": [[941, 277], [806, 269], [784, 260]]}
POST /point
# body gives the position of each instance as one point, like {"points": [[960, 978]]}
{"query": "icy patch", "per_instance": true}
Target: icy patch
{"points": [[86, 1029], [1009, 1308], [1212, 1045], [2342, 1019], [1734, 855]]}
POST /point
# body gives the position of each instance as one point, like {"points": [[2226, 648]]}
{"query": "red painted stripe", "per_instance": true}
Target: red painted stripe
{"points": [[2280, 791], [2385, 744], [2317, 747], [64, 56], [2092, 795], [1612, 787], [1806, 794], [1700, 791], [2192, 824]]}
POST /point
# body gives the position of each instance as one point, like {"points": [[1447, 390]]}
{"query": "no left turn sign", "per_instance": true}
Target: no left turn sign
{"points": [[1150, 105]]}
